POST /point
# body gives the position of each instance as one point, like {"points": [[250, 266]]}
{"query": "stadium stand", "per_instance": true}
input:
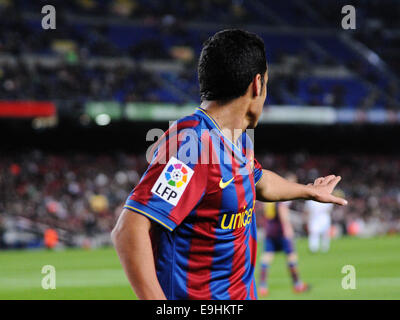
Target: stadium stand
{"points": [[309, 66]]}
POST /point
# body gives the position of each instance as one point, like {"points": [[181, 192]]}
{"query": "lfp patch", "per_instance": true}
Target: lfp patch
{"points": [[173, 181]]}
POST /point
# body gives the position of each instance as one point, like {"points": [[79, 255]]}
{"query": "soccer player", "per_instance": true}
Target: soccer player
{"points": [[279, 236], [319, 225], [188, 229]]}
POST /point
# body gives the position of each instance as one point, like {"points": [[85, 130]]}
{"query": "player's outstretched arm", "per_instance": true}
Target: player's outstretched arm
{"points": [[132, 241], [273, 187]]}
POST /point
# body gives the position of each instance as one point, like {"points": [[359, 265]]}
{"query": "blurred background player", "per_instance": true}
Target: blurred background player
{"points": [[319, 224], [279, 237], [50, 238]]}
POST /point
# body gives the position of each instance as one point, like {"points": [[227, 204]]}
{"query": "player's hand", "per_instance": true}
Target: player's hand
{"points": [[322, 188]]}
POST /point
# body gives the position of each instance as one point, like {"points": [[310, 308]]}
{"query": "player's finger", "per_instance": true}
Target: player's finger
{"points": [[335, 181], [318, 181], [337, 200], [329, 178]]}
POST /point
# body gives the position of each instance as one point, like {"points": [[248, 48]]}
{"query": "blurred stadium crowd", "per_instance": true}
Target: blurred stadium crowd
{"points": [[68, 193], [106, 50], [81, 200]]}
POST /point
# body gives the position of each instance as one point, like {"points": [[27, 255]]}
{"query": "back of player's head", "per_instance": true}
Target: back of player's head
{"points": [[228, 63]]}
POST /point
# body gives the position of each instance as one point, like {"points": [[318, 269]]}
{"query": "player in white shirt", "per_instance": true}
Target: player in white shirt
{"points": [[319, 224]]}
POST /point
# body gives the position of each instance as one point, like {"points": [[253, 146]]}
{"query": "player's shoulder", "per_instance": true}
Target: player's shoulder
{"points": [[194, 126], [182, 134], [187, 124]]}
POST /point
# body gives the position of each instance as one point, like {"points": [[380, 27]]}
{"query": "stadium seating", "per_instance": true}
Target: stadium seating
{"points": [[149, 31]]}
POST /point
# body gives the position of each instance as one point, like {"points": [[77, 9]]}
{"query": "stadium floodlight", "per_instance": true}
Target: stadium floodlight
{"points": [[103, 119]]}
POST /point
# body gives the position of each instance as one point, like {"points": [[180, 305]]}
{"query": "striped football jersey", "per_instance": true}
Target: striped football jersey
{"points": [[199, 189]]}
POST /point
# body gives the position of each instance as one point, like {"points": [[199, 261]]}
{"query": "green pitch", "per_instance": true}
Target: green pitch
{"points": [[97, 274]]}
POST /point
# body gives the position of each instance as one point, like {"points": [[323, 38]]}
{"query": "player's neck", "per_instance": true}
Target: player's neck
{"points": [[230, 117]]}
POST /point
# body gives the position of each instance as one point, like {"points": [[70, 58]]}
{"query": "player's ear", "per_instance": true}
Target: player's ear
{"points": [[257, 85]]}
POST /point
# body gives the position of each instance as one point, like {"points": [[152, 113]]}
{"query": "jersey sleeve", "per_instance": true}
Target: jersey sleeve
{"points": [[257, 171], [174, 182]]}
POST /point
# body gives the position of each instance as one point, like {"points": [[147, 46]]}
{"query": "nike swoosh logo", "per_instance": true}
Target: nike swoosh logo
{"points": [[223, 184]]}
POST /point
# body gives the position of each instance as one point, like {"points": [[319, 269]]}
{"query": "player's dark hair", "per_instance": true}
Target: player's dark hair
{"points": [[228, 63]]}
